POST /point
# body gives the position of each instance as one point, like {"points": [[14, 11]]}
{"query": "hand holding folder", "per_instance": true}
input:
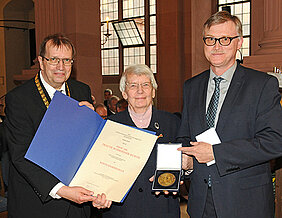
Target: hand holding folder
{"points": [[81, 149]]}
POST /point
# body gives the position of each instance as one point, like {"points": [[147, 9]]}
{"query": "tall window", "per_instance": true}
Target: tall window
{"points": [[115, 57], [240, 8]]}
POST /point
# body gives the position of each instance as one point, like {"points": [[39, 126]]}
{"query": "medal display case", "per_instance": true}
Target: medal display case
{"points": [[168, 168]]}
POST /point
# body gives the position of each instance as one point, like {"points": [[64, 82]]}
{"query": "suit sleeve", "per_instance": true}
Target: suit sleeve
{"points": [[266, 143], [20, 129]]}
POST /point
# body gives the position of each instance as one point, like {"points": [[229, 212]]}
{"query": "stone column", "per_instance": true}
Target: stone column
{"points": [[48, 19], [266, 35], [170, 54], [82, 24], [180, 47]]}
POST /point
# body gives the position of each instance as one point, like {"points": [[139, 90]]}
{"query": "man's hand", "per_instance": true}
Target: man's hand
{"points": [[87, 104], [76, 194], [101, 202], [187, 162], [202, 151]]}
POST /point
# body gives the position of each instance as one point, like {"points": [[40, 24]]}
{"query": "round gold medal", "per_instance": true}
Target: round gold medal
{"points": [[166, 179]]}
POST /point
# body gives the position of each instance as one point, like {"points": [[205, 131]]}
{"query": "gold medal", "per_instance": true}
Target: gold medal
{"points": [[166, 179]]}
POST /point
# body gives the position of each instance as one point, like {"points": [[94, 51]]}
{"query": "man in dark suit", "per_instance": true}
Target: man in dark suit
{"points": [[33, 192], [112, 105], [232, 178]]}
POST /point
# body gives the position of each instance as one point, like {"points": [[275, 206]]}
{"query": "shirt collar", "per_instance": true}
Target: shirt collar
{"points": [[227, 75], [141, 120], [51, 90]]}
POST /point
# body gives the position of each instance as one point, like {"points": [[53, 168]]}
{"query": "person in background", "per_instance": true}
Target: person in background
{"points": [[94, 102], [138, 87], [34, 192], [121, 105], [231, 178], [101, 110], [112, 105], [107, 95]]}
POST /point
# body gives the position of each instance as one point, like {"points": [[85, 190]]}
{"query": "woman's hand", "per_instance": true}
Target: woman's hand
{"points": [[87, 104]]}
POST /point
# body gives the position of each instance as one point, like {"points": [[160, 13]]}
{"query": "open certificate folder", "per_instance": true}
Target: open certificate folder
{"points": [[81, 149]]}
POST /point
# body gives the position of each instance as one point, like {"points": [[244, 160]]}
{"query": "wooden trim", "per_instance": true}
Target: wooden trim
{"points": [[111, 79]]}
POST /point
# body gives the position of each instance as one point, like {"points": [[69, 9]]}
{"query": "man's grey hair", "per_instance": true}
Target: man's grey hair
{"points": [[114, 97], [222, 17]]}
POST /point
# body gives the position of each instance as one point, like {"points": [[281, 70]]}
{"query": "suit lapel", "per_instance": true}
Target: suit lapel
{"points": [[230, 98], [202, 99]]}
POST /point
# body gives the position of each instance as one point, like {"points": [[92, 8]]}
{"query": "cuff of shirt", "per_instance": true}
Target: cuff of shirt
{"points": [[210, 163], [53, 192]]}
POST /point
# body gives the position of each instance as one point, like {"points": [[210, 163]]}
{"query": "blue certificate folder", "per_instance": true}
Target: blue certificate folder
{"points": [[64, 137]]}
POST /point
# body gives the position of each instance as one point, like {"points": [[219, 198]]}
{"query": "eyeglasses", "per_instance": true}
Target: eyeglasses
{"points": [[224, 41], [55, 61], [135, 86]]}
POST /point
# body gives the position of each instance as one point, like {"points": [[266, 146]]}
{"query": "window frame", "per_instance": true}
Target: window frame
{"points": [[147, 45]]}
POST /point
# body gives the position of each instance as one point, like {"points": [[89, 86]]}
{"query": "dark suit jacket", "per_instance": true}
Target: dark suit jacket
{"points": [[29, 185], [249, 127], [140, 201]]}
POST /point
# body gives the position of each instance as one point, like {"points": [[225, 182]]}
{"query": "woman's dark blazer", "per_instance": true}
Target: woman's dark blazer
{"points": [[141, 201]]}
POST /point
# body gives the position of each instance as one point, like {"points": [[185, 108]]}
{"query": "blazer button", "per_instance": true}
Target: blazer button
{"points": [[205, 181], [140, 190]]}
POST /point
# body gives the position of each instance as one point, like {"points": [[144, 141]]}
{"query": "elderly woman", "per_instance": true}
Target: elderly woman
{"points": [[138, 87]]}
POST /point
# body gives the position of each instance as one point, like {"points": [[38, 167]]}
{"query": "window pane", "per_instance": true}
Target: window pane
{"points": [[153, 31], [152, 7], [246, 19], [133, 8], [110, 63], [130, 32], [135, 55], [246, 30], [109, 9], [153, 58], [238, 8]]}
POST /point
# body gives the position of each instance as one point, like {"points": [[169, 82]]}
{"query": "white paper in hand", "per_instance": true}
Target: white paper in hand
{"points": [[209, 136]]}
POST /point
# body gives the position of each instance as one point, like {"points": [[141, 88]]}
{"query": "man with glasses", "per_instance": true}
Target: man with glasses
{"points": [[231, 178], [33, 192]]}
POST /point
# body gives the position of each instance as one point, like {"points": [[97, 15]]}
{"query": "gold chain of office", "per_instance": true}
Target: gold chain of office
{"points": [[40, 90]]}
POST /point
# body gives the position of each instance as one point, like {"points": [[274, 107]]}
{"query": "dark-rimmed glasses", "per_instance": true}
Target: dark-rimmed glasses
{"points": [[224, 41], [56, 61]]}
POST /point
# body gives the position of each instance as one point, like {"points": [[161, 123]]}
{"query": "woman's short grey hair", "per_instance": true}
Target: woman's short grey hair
{"points": [[137, 69]]}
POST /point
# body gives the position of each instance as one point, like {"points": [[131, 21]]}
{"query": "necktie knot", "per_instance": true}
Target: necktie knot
{"points": [[217, 80]]}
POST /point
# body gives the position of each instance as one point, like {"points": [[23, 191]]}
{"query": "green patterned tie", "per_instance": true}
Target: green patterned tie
{"points": [[212, 108]]}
